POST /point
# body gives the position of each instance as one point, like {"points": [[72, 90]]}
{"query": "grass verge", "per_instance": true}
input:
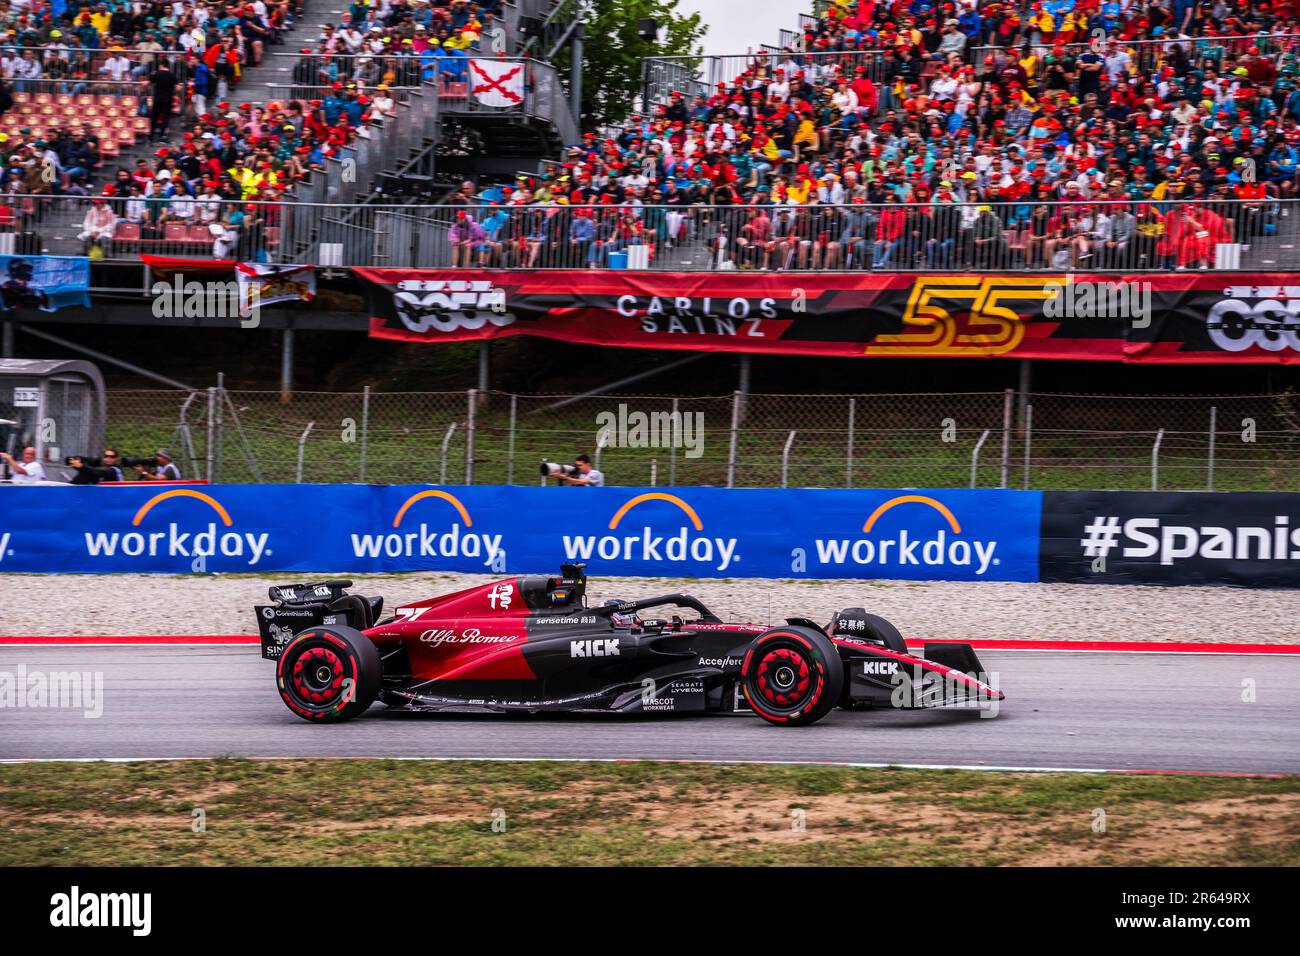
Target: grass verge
{"points": [[386, 812]]}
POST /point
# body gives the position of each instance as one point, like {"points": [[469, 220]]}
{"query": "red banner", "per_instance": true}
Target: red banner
{"points": [[1197, 317]]}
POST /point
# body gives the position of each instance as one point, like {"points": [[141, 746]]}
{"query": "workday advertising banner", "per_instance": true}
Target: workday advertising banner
{"points": [[967, 535]]}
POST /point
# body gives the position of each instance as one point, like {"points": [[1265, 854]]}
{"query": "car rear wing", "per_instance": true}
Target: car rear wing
{"points": [[297, 607]]}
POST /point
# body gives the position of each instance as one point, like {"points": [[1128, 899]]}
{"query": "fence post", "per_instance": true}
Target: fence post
{"points": [[1214, 426], [654, 471], [975, 456], [602, 439], [221, 421], [1008, 399], [469, 436], [212, 428], [1029, 439], [510, 441], [1155, 460], [676, 419], [185, 436], [446, 440], [365, 428], [302, 448], [853, 414], [735, 434], [785, 459]]}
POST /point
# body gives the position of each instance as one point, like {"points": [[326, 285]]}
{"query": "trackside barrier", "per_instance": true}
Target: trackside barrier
{"points": [[921, 534], [983, 534]]}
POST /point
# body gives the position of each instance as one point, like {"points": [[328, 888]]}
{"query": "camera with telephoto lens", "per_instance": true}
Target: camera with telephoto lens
{"points": [[148, 461], [90, 471], [550, 468]]}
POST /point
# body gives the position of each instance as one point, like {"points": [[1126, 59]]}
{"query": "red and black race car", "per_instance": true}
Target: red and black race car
{"points": [[532, 644]]}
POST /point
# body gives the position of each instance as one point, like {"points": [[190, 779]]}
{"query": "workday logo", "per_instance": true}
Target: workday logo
{"points": [[912, 531], [168, 535], [437, 541], [659, 535]]}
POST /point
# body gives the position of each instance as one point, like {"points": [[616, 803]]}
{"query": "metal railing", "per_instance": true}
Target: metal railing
{"points": [[1148, 55], [701, 75], [978, 439], [1115, 235], [93, 59], [319, 71]]}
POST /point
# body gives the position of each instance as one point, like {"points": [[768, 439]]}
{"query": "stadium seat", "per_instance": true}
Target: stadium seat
{"points": [[127, 232]]}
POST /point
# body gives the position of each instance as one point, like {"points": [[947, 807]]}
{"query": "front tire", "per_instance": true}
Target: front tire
{"points": [[329, 674], [792, 676]]}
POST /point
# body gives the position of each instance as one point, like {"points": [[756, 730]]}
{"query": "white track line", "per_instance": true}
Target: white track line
{"points": [[774, 763]]}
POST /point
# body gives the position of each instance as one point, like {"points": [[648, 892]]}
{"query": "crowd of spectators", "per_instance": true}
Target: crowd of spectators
{"points": [[978, 133], [76, 85]]}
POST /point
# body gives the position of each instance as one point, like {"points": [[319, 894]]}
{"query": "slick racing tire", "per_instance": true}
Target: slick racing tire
{"points": [[879, 629], [792, 676], [329, 674]]}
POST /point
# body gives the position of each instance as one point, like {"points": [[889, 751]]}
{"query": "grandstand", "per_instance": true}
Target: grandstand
{"points": [[1070, 134]]}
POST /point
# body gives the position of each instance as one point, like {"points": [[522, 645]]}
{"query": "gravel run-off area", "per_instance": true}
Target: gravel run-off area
{"points": [[148, 604]]}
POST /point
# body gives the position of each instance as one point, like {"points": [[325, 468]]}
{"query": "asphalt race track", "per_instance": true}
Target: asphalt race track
{"points": [[1064, 709]]}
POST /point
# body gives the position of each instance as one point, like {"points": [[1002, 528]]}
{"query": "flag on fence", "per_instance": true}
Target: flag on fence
{"points": [[261, 283], [497, 82]]}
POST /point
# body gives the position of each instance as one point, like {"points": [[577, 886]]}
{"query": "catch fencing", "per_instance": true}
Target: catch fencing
{"points": [[1007, 439]]}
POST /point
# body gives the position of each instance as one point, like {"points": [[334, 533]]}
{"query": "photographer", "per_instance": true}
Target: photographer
{"points": [[165, 470], [586, 475], [91, 471]]}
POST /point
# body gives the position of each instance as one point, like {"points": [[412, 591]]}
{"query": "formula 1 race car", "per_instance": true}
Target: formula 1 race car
{"points": [[531, 644]]}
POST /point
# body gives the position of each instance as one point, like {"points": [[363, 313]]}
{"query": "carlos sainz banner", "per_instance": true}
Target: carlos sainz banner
{"points": [[1199, 317]]}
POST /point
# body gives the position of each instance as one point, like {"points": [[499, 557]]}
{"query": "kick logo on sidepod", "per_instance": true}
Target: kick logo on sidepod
{"points": [[643, 545], [943, 549], [425, 542], [173, 542]]}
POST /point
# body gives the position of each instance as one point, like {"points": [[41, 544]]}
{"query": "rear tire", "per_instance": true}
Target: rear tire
{"points": [[329, 674], [792, 676]]}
